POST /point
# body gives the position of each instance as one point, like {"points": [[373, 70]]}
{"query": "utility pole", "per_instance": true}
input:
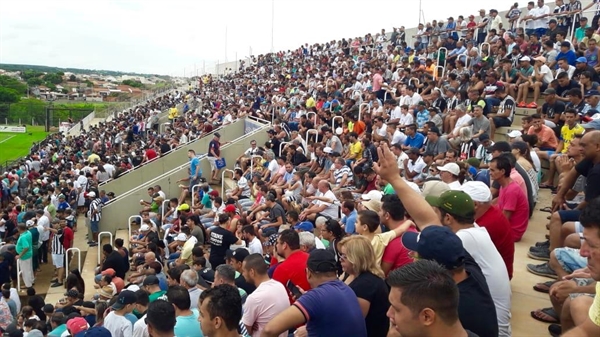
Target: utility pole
{"points": [[272, 24]]}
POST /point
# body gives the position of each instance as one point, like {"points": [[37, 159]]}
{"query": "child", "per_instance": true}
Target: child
{"points": [[367, 224]]}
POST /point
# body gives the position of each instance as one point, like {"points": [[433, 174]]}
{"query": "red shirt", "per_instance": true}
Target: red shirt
{"points": [[68, 238], [293, 269], [119, 283], [151, 154], [499, 229], [396, 254]]}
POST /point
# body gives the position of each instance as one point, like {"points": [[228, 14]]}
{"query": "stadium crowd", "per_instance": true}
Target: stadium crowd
{"points": [[397, 214]]}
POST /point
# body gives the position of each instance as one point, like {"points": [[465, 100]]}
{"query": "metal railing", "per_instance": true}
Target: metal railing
{"points": [[308, 132], [129, 228], [252, 163], [223, 179], [76, 250]]}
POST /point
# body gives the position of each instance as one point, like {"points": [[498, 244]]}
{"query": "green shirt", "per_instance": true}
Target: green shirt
{"points": [[23, 243], [52, 210], [388, 189], [154, 296], [206, 202]]}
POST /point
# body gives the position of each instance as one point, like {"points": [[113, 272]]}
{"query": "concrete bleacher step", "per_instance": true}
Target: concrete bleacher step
{"points": [[88, 271], [53, 295]]}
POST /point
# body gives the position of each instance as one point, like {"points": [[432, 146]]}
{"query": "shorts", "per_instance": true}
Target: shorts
{"points": [[582, 282], [213, 163], [58, 260], [501, 122], [266, 232], [569, 215], [569, 259], [95, 226]]}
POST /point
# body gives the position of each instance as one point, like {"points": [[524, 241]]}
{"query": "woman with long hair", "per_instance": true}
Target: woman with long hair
{"points": [[522, 153], [75, 281], [365, 277], [101, 310], [333, 232]]}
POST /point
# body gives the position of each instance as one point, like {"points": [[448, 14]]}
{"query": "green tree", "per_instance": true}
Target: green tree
{"points": [[9, 82], [33, 81], [27, 74], [8, 95], [52, 78], [132, 83], [72, 78], [89, 83], [65, 91], [60, 73]]}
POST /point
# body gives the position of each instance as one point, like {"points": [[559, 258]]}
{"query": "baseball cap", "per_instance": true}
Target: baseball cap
{"points": [[76, 325], [450, 167], [590, 93], [128, 297], [453, 202], [477, 190], [484, 137], [305, 226], [581, 60], [148, 281], [435, 129], [240, 254], [437, 243], [213, 193], [434, 188], [525, 58], [208, 275], [183, 207], [230, 209], [144, 228], [92, 194], [372, 195], [181, 237], [473, 162], [540, 58], [500, 147], [109, 271], [549, 91], [327, 149], [321, 261], [29, 223], [372, 204], [98, 331], [272, 240], [514, 134]]}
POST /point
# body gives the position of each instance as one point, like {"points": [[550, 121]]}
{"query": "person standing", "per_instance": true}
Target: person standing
{"points": [[24, 254], [94, 215], [267, 301], [214, 154], [44, 221], [58, 252], [195, 171]]}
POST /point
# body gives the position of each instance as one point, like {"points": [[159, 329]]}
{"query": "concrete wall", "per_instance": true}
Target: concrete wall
{"points": [[75, 129], [115, 215], [170, 161]]}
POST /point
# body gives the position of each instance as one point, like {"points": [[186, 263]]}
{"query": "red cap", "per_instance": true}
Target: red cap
{"points": [[230, 209], [213, 193], [110, 272]]}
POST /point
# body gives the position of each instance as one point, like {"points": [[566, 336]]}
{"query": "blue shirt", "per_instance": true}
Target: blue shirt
{"points": [[416, 141], [569, 55], [422, 117], [349, 222], [187, 326], [334, 296], [194, 166]]}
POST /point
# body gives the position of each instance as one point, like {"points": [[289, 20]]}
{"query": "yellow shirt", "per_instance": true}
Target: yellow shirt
{"points": [[93, 157], [310, 102], [379, 242], [356, 150], [567, 135], [595, 308], [186, 252]]}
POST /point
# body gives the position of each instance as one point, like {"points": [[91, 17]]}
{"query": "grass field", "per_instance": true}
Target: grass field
{"points": [[15, 145]]}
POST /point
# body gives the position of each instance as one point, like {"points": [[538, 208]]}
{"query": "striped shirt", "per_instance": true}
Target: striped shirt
{"points": [[339, 174], [57, 246], [95, 205]]}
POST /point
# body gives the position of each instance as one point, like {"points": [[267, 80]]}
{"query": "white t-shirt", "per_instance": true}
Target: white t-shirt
{"points": [[331, 209], [255, 246], [395, 113], [479, 245], [455, 185], [460, 122], [417, 166], [266, 302], [273, 167], [44, 222], [244, 187], [407, 119], [545, 70], [140, 329], [398, 137], [319, 244], [118, 325], [381, 131]]}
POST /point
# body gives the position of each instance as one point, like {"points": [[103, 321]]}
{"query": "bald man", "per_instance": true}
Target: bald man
{"points": [[324, 203]]}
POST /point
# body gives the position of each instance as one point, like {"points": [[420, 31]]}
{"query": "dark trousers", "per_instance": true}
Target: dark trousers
{"points": [[44, 252]]}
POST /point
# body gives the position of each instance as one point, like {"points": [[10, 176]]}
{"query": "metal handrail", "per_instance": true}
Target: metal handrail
{"points": [[252, 163], [483, 45], [439, 53], [129, 228], [315, 117], [333, 121], [193, 193], [281, 146], [78, 251], [360, 108], [162, 212], [308, 132], [100, 235], [223, 179]]}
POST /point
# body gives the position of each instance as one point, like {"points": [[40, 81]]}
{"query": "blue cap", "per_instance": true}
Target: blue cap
{"points": [[592, 93], [581, 60], [98, 331], [437, 243], [305, 226]]}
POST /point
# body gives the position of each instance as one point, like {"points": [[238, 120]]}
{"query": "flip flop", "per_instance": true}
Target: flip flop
{"points": [[546, 315], [545, 186], [546, 209], [543, 287]]}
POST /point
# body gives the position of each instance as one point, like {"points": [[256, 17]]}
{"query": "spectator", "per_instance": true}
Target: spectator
{"points": [[161, 319], [293, 268], [115, 321], [186, 317]]}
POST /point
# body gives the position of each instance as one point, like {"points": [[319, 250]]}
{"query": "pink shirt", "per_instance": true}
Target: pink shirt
{"points": [[513, 199], [377, 82], [266, 302], [517, 178]]}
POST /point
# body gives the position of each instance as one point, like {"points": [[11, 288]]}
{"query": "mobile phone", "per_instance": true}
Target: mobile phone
{"points": [[293, 289]]}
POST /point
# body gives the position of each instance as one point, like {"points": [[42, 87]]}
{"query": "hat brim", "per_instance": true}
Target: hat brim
{"points": [[433, 201], [410, 240]]}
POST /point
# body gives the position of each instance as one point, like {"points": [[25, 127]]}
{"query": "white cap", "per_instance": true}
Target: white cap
{"points": [[434, 188], [327, 149], [339, 131], [477, 190], [133, 287], [414, 186], [29, 223], [525, 58], [450, 167], [514, 134], [181, 237], [372, 195], [92, 194], [144, 228]]}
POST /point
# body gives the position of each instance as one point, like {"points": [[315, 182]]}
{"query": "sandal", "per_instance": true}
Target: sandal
{"points": [[546, 209], [544, 185], [546, 315], [543, 287]]}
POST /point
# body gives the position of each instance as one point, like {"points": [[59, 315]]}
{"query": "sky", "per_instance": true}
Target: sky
{"points": [[178, 37]]}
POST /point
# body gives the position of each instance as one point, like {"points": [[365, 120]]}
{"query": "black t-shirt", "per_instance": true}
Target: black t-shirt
{"points": [[553, 109], [561, 91], [164, 148], [591, 171], [220, 240], [275, 212], [241, 282], [476, 309], [374, 290], [115, 261], [152, 237]]}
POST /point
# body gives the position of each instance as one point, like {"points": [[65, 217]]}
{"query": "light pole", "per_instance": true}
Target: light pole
{"points": [[272, 24]]}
